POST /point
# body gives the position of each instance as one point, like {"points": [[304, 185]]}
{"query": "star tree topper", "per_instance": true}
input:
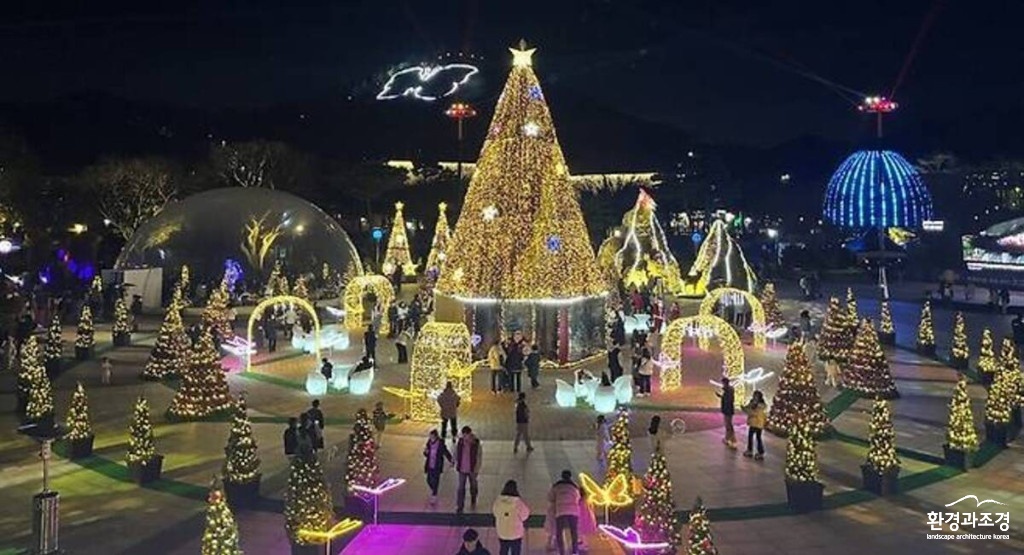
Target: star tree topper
{"points": [[522, 56]]}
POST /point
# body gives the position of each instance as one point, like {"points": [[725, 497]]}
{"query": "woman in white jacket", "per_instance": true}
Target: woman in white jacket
{"points": [[510, 512]]}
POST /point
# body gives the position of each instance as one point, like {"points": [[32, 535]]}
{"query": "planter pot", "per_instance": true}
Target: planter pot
{"points": [[997, 434], [881, 483], [926, 350], [962, 460], [80, 448], [122, 339], [146, 472], [887, 339], [804, 496], [242, 495], [959, 363], [83, 353]]}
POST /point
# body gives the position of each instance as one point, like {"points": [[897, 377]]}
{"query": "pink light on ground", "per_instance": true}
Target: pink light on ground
{"points": [[630, 538]]}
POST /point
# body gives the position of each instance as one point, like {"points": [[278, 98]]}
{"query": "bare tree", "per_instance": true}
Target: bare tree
{"points": [[268, 164], [131, 191]]}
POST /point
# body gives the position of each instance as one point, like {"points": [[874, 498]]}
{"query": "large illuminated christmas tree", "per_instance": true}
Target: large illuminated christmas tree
{"points": [[397, 257], [836, 339], [1002, 394], [882, 456], [961, 434], [987, 364], [221, 534], [521, 234], [169, 356], [85, 340], [34, 383], [638, 254], [620, 455], [362, 467], [699, 540], [78, 425], [307, 501], [655, 517], [141, 443], [959, 350], [770, 301], [720, 262], [797, 399], [801, 456], [217, 314], [204, 389], [867, 372], [926, 331], [442, 237], [886, 329], [121, 330], [241, 459]]}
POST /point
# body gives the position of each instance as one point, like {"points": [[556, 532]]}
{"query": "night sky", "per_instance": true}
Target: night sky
{"points": [[732, 72]]}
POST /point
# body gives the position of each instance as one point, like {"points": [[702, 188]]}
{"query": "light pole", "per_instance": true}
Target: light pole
{"points": [[46, 503], [460, 111], [880, 105]]}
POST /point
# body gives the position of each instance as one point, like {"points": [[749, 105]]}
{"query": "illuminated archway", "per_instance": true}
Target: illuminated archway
{"points": [[707, 308], [353, 300], [281, 299], [702, 326]]}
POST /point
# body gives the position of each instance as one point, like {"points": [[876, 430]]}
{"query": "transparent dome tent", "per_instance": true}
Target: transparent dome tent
{"points": [[254, 227]]}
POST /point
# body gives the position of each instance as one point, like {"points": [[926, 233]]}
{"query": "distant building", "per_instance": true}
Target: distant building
{"points": [[592, 182]]}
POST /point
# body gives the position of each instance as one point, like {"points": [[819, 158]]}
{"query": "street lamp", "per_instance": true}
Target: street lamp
{"points": [[46, 503], [459, 111]]}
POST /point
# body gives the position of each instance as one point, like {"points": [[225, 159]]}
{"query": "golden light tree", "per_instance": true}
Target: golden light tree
{"points": [[886, 329], [121, 330], [362, 467], [1001, 401], [960, 352], [851, 306], [204, 389], [801, 456], [397, 257], [301, 290], [85, 340], [961, 433], [770, 302], [721, 260], [521, 233], [882, 457], [169, 355], [655, 517], [637, 253], [221, 534], [797, 401], [620, 455], [54, 342], [307, 501], [241, 459], [217, 314], [442, 237], [78, 424], [867, 372], [698, 537], [141, 443], [926, 331], [34, 382], [987, 364], [836, 338]]}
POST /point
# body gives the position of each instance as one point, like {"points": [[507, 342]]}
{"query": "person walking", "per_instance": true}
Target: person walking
{"points": [[728, 409], [291, 438], [510, 512], [370, 342], [471, 544], [307, 435], [270, 329], [532, 364], [316, 424], [449, 401], [434, 454], [564, 500], [522, 424], [326, 368], [655, 434], [106, 371], [615, 369], [380, 422], [602, 442], [756, 411], [469, 456], [645, 371], [495, 361]]}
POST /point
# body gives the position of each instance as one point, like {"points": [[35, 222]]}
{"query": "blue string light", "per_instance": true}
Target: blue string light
{"points": [[874, 188]]}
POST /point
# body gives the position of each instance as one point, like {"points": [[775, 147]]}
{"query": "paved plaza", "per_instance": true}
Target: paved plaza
{"points": [[103, 512]]}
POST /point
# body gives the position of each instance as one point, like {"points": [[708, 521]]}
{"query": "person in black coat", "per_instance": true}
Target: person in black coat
{"points": [[614, 364], [370, 342], [434, 454], [291, 437]]}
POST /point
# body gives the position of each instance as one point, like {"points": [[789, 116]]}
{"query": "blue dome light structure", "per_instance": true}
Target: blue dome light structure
{"points": [[877, 189]]}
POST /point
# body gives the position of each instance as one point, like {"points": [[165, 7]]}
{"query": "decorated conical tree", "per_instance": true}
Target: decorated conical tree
{"points": [[122, 330], [439, 244], [882, 457], [801, 456], [1002, 396], [301, 290], [886, 329], [699, 540], [221, 534], [620, 455], [78, 424], [34, 384], [169, 356], [959, 350], [867, 373], [961, 434], [987, 364], [851, 306], [141, 444], [54, 344], [655, 517], [397, 257], [770, 301], [836, 339], [638, 255], [362, 467], [241, 459], [926, 331], [86, 337], [307, 501], [204, 389], [273, 281], [217, 316], [183, 281], [797, 399], [521, 233]]}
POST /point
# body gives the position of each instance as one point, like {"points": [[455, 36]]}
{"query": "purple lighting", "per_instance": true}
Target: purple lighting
{"points": [[381, 488], [630, 538]]}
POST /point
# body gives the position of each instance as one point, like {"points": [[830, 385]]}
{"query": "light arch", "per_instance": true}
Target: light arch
{"points": [[353, 300], [707, 308], [281, 299], [705, 326]]}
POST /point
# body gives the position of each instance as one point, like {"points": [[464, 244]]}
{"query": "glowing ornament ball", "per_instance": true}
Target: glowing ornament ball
{"points": [[442, 352], [353, 300], [877, 189]]}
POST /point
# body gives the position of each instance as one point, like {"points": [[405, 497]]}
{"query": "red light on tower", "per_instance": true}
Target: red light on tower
{"points": [[877, 105], [459, 111]]}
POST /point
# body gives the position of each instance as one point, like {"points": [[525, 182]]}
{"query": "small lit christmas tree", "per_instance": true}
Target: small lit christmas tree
{"points": [[961, 435], [803, 490], [867, 373], [183, 281], [301, 290], [34, 383], [620, 455], [204, 389], [217, 314], [78, 424], [273, 282], [442, 236], [770, 301], [959, 351], [797, 398], [397, 257], [926, 331], [307, 501], [241, 460], [54, 345], [1002, 396], [141, 444], [851, 307], [85, 341], [122, 330], [886, 329], [836, 337], [221, 534], [882, 465], [169, 356], [362, 467], [987, 364], [698, 537], [655, 517]]}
